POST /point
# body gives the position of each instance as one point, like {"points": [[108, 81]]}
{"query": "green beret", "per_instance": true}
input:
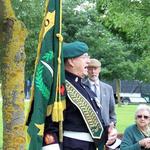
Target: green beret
{"points": [[74, 49]]}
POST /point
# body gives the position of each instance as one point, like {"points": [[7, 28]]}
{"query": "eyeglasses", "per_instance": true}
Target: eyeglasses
{"points": [[140, 116]]}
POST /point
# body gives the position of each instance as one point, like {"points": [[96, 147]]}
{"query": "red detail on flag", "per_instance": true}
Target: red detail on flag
{"points": [[62, 90]]}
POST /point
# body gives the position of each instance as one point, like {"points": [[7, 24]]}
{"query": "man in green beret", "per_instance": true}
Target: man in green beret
{"points": [[78, 115], [83, 124]]}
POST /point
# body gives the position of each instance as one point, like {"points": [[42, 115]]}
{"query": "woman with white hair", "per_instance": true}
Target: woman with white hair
{"points": [[137, 136]]}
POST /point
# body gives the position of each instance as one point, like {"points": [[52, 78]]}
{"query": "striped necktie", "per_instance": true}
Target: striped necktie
{"points": [[95, 89]]}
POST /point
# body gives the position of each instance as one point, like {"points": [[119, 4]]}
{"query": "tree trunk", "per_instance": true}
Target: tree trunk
{"points": [[118, 90], [12, 68]]}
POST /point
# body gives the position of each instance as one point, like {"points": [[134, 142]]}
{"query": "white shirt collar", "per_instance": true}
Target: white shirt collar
{"points": [[94, 82]]}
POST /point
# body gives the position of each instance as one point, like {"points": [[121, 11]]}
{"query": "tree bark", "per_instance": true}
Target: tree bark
{"points": [[12, 68], [118, 90]]}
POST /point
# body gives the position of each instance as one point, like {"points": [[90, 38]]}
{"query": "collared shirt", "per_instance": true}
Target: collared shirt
{"points": [[107, 101], [95, 87]]}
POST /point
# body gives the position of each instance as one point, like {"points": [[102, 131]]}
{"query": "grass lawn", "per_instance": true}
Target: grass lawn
{"points": [[125, 117]]}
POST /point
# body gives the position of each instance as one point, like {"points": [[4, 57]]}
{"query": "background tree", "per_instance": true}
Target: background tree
{"points": [[13, 34], [117, 34], [129, 20], [31, 14], [82, 22]]}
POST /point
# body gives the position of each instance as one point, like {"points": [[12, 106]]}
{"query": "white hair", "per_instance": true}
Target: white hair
{"points": [[142, 107]]}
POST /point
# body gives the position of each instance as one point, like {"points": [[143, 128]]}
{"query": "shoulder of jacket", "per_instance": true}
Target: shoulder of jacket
{"points": [[105, 84]]}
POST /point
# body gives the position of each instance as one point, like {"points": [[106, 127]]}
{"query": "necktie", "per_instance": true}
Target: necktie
{"points": [[95, 89], [97, 96]]}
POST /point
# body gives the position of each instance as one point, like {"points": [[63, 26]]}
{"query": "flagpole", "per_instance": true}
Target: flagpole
{"points": [[60, 38]]}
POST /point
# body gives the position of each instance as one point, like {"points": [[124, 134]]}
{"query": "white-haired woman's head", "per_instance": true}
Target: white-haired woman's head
{"points": [[142, 107], [142, 116]]}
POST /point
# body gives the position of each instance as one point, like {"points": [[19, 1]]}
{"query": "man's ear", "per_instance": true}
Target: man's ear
{"points": [[71, 62]]}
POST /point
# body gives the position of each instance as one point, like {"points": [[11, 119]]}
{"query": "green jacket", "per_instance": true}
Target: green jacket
{"points": [[130, 139]]}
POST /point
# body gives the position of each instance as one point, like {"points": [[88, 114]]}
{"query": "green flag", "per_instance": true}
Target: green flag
{"points": [[48, 87]]}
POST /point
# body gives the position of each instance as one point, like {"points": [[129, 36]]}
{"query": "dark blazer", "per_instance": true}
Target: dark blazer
{"points": [[73, 119]]}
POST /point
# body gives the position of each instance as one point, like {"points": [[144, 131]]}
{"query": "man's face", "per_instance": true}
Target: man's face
{"points": [[81, 64], [93, 73]]}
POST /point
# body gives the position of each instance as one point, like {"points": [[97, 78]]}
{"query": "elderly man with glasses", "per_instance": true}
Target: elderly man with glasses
{"points": [[83, 124]]}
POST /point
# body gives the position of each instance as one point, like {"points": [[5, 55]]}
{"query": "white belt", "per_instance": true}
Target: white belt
{"points": [[51, 146], [78, 135]]}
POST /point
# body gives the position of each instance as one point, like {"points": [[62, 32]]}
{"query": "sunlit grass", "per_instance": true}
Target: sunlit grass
{"points": [[125, 116]]}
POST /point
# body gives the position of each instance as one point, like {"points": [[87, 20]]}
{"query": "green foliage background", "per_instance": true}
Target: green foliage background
{"points": [[129, 20], [117, 33]]}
